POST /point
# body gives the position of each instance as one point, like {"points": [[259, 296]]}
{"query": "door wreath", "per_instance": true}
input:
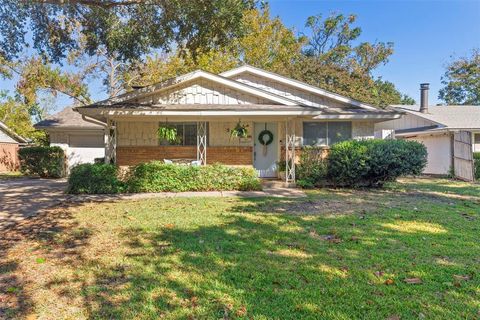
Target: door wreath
{"points": [[261, 137], [265, 138]]}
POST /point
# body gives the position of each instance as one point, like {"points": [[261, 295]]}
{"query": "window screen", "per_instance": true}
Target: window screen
{"points": [[326, 133]]}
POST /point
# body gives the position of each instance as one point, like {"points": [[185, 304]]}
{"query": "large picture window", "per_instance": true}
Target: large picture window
{"points": [[326, 133], [186, 134]]}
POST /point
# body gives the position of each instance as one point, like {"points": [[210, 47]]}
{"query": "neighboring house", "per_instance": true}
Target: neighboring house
{"points": [[82, 141], [205, 107], [450, 133], [9, 144]]}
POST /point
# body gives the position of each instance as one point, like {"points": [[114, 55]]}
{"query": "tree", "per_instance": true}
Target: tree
{"points": [[462, 81], [128, 29], [332, 61], [266, 43], [35, 78]]}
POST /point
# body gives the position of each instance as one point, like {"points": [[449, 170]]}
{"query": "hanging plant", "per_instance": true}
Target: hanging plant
{"points": [[168, 133], [240, 131]]}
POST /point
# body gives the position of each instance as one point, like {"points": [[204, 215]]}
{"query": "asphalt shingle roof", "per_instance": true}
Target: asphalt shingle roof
{"points": [[67, 118], [452, 117]]}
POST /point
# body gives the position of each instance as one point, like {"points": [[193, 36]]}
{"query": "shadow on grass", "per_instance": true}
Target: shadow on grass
{"points": [[262, 261], [40, 231]]}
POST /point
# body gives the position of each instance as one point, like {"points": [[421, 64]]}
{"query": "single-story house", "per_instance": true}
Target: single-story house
{"points": [[280, 115], [9, 145], [82, 141], [450, 133]]}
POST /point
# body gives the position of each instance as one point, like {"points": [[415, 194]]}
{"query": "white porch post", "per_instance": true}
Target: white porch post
{"points": [[290, 152], [202, 142], [111, 143]]}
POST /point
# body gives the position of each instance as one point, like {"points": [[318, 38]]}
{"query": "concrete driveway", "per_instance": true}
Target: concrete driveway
{"points": [[24, 197]]}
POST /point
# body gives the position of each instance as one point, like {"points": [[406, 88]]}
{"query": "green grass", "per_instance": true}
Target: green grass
{"points": [[329, 256]]}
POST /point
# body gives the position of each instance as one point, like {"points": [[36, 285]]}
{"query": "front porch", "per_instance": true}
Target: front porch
{"points": [[208, 142]]}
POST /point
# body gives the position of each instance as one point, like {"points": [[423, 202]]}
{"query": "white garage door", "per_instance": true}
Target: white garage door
{"points": [[439, 149], [85, 148], [86, 141]]}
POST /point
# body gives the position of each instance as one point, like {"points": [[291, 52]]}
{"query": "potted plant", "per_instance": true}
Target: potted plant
{"points": [[281, 169], [168, 133]]}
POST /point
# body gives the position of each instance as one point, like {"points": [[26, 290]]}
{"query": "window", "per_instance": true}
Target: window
{"points": [[186, 134], [326, 133], [477, 138]]}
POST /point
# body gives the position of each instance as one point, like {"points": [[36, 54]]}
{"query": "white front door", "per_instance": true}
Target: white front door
{"points": [[265, 156]]}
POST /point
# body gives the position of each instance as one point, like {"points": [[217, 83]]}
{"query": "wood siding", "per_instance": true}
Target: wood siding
{"points": [[284, 90], [203, 92], [127, 156]]}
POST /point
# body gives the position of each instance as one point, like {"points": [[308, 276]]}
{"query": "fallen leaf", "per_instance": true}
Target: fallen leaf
{"points": [[389, 282], [378, 273], [242, 311], [169, 226], [394, 317], [413, 280]]}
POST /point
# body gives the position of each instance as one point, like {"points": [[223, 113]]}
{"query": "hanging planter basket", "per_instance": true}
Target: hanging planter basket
{"points": [[240, 131], [168, 133]]}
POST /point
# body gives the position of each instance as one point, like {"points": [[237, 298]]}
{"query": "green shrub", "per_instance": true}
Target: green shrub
{"points": [[476, 159], [156, 176], [94, 178], [373, 162], [46, 162], [311, 171]]}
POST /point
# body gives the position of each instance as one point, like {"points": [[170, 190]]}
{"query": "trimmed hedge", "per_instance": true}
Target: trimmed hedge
{"points": [[94, 178], [476, 159], [371, 163], [156, 176], [46, 162]]}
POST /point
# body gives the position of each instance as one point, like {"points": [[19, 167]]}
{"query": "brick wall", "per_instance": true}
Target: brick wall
{"points": [[127, 156], [238, 156], [8, 157]]}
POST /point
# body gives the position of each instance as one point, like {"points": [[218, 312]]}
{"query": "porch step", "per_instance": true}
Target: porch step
{"points": [[273, 183]]}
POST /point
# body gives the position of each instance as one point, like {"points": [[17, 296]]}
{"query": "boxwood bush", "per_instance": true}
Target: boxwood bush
{"points": [[94, 178], [46, 162], [371, 163], [476, 159], [156, 176]]}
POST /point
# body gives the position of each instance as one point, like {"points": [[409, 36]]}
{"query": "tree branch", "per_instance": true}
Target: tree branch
{"points": [[106, 4]]}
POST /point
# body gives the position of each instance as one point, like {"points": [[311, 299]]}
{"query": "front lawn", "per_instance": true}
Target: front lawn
{"points": [[338, 254]]}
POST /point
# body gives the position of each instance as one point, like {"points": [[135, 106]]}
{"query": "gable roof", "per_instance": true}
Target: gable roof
{"points": [[192, 76], [9, 132], [66, 119], [296, 84], [449, 117]]}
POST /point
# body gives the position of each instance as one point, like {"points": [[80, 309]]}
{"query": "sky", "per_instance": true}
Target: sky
{"points": [[425, 33]]}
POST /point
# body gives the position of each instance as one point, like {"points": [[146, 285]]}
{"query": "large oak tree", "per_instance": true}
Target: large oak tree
{"points": [[127, 29]]}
